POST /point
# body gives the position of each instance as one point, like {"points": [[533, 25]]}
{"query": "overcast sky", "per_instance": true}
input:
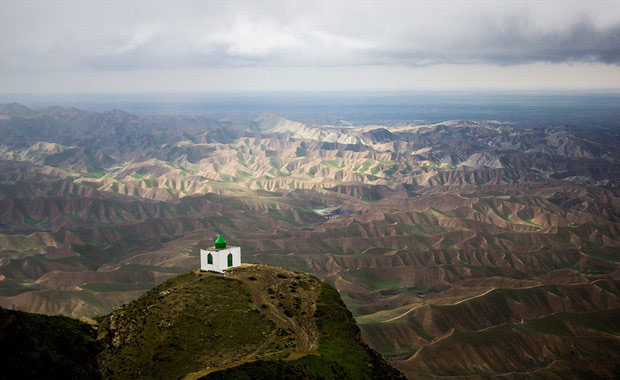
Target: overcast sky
{"points": [[206, 46]]}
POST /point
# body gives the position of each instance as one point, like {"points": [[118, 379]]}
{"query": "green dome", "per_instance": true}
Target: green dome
{"points": [[220, 242]]}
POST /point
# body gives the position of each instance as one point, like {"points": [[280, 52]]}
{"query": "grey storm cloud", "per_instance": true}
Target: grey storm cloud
{"points": [[516, 41], [178, 35], [579, 41]]}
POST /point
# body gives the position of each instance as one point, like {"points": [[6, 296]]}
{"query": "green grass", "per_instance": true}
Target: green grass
{"points": [[92, 185], [529, 221], [490, 337], [31, 221], [139, 175], [607, 287], [275, 162], [342, 355], [277, 173], [310, 367], [243, 174], [335, 164], [607, 321], [196, 323], [96, 172], [479, 210], [339, 339], [187, 324], [417, 327], [241, 160], [419, 289], [35, 346], [421, 229], [549, 325], [607, 254], [18, 242], [523, 342], [226, 177], [504, 217], [371, 278], [365, 166]]}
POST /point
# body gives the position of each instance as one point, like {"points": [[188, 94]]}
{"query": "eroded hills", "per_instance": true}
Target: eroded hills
{"points": [[456, 234]]}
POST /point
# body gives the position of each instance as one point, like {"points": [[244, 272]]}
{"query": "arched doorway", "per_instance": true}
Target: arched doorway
{"points": [[209, 259], [230, 260]]}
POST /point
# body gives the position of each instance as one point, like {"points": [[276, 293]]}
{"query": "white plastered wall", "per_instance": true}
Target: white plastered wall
{"points": [[220, 259]]}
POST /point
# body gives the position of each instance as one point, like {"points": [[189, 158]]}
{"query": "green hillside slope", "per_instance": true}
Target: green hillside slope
{"points": [[256, 322], [34, 347]]}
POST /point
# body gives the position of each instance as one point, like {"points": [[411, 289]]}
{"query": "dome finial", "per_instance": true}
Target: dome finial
{"points": [[220, 242]]}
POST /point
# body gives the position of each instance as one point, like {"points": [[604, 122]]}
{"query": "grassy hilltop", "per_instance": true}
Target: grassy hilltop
{"points": [[257, 322]]}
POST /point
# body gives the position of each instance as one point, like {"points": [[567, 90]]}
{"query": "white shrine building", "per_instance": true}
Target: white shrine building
{"points": [[220, 257]]}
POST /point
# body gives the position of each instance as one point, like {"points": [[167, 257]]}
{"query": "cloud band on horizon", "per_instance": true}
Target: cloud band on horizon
{"points": [[65, 37]]}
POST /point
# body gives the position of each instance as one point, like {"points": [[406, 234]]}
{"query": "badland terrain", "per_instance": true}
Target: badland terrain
{"points": [[462, 248]]}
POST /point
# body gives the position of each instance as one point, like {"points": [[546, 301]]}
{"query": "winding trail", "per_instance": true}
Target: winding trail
{"points": [[456, 303]]}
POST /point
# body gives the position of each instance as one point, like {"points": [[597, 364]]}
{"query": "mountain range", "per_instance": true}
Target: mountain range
{"points": [[462, 248]]}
